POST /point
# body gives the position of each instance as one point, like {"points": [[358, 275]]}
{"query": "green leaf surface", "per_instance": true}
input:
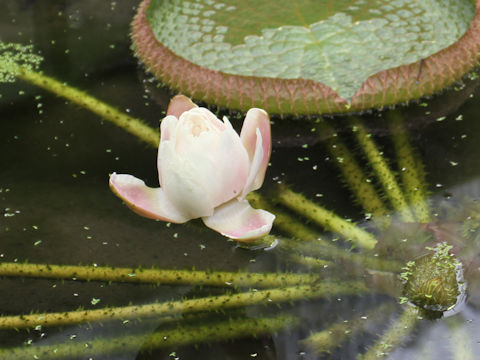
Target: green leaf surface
{"points": [[339, 43]]}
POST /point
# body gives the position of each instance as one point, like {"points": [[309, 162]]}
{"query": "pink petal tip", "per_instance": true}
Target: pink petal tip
{"points": [[144, 200], [179, 104], [239, 221]]}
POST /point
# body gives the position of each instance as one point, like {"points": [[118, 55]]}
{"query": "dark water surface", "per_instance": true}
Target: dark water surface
{"points": [[57, 207]]}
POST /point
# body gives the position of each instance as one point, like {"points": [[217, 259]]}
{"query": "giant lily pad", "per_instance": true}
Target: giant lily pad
{"points": [[307, 56]]}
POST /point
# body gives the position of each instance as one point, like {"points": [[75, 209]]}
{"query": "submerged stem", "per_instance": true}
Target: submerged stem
{"points": [[156, 276], [310, 261], [355, 178], [383, 172], [252, 297], [311, 243], [327, 340], [460, 339], [411, 170], [184, 335], [394, 335], [326, 218], [132, 125]]}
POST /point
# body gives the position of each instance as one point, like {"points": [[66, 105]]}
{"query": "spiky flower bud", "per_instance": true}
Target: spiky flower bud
{"points": [[434, 281]]}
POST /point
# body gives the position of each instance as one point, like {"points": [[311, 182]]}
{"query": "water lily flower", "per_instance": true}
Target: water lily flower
{"points": [[205, 170]]}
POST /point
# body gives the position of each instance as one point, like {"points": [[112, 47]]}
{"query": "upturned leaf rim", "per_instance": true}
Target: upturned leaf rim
{"points": [[301, 96]]}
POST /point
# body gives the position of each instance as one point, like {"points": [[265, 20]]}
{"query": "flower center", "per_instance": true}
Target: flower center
{"points": [[197, 125]]}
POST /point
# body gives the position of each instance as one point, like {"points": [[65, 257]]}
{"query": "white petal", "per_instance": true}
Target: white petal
{"points": [[227, 122], [255, 166], [167, 134], [144, 200], [167, 127], [182, 183], [232, 167], [257, 119], [239, 221], [218, 163]]}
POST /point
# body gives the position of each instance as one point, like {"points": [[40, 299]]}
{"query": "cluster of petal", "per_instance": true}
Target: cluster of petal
{"points": [[205, 170]]}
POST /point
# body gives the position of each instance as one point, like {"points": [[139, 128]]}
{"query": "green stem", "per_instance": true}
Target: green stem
{"points": [[327, 340], [383, 172], [393, 337], [411, 170], [185, 335], [426, 351], [288, 224], [351, 262], [311, 243], [211, 303], [132, 125], [353, 175], [325, 218], [460, 339], [311, 262], [156, 276]]}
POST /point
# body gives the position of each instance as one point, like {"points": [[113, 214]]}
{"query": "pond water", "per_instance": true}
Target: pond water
{"points": [[57, 209]]}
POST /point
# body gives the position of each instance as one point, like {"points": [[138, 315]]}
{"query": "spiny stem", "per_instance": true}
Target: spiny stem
{"points": [[311, 243], [185, 335], [460, 338], [393, 337], [252, 297], [363, 190], [132, 125], [326, 218], [427, 351], [287, 223], [326, 340], [348, 260], [310, 261], [156, 276], [412, 174], [383, 172]]}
